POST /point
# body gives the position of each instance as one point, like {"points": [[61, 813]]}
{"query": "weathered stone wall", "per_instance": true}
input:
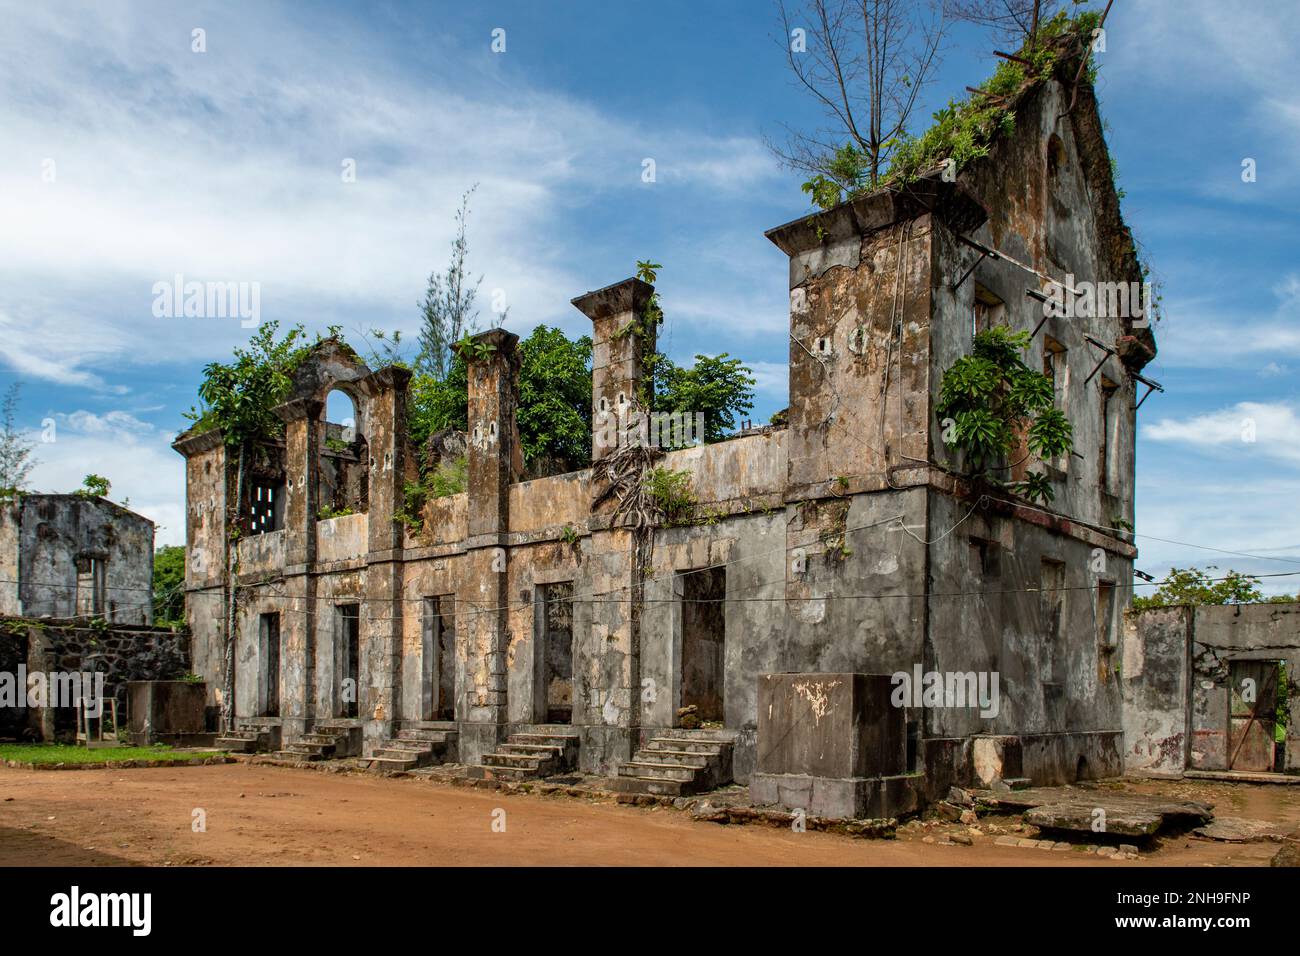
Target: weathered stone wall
{"points": [[120, 653], [989, 617], [10, 529], [1052, 214], [1176, 679], [849, 541], [1155, 679], [46, 539]]}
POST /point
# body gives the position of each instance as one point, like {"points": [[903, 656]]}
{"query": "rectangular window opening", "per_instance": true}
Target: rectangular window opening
{"points": [[989, 311]]}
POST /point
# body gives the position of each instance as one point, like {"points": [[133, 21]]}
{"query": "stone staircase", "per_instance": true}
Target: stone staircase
{"points": [[678, 763], [328, 740], [250, 736], [414, 747], [541, 751]]}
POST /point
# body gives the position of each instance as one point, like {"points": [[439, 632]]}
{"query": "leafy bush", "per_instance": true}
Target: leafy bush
{"points": [[989, 399], [670, 491]]}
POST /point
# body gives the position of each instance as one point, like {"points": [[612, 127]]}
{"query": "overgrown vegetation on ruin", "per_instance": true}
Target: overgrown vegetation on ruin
{"points": [[966, 128], [671, 494], [992, 405]]}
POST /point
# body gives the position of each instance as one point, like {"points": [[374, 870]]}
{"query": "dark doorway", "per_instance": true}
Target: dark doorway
{"points": [[438, 657], [270, 628], [557, 651], [349, 660], [1252, 715], [704, 641]]}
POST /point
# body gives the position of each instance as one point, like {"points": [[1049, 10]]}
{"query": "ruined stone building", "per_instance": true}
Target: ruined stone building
{"points": [[66, 556], [76, 596], [1201, 689], [520, 613]]}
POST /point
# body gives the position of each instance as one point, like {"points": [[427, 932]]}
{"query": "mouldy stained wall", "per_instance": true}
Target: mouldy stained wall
{"points": [[1154, 678], [1058, 687], [1176, 676], [10, 528], [121, 653], [205, 553], [58, 534], [1221, 635], [1050, 207], [846, 538], [1050, 204]]}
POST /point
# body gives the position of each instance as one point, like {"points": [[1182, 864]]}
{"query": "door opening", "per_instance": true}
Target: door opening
{"points": [[438, 659], [349, 660], [1253, 713], [557, 651], [704, 641], [270, 627]]}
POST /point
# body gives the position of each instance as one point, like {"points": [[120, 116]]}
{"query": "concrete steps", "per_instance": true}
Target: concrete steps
{"points": [[412, 748], [532, 754], [250, 736], [678, 763], [329, 740]]}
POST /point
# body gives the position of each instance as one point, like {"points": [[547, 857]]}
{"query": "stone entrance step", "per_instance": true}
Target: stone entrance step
{"points": [[535, 753], [328, 740], [678, 763], [250, 736], [412, 748]]}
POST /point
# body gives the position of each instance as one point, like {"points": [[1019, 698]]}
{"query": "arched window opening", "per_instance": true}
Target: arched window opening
{"points": [[344, 458]]}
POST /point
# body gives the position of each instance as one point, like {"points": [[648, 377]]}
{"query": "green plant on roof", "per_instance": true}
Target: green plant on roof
{"points": [[94, 486], [960, 132]]}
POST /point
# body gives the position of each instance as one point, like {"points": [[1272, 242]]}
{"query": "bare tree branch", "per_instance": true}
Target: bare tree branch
{"points": [[865, 64], [1016, 21]]}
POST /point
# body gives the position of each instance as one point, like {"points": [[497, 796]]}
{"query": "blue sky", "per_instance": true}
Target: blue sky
{"points": [[225, 166]]}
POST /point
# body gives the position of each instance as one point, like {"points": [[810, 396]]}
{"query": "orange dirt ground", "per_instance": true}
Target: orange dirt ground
{"points": [[272, 816]]}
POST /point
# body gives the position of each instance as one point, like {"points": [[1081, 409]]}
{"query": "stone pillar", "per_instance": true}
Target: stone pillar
{"points": [[860, 302], [620, 345], [482, 598], [607, 657], [302, 436], [385, 395]]}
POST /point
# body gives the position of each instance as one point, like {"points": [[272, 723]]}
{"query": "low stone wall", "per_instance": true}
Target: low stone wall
{"points": [[122, 653], [1177, 670]]}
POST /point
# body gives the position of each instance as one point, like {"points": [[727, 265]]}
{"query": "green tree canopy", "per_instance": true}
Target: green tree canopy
{"points": [[169, 585], [721, 387], [239, 397], [1197, 586], [554, 414]]}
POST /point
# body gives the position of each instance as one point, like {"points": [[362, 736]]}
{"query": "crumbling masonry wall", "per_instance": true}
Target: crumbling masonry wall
{"points": [[1176, 681], [52, 547], [850, 540]]}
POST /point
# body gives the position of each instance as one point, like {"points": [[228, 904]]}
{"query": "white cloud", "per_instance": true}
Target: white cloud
{"points": [[1251, 47], [144, 471], [114, 421], [226, 166], [771, 378], [1203, 333], [1247, 517], [1245, 429]]}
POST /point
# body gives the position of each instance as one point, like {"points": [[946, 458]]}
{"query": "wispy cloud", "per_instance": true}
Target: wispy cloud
{"points": [[132, 159], [1247, 429], [132, 454], [1207, 333]]}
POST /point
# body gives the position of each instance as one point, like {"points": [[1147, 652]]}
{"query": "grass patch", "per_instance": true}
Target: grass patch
{"points": [[68, 753]]}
